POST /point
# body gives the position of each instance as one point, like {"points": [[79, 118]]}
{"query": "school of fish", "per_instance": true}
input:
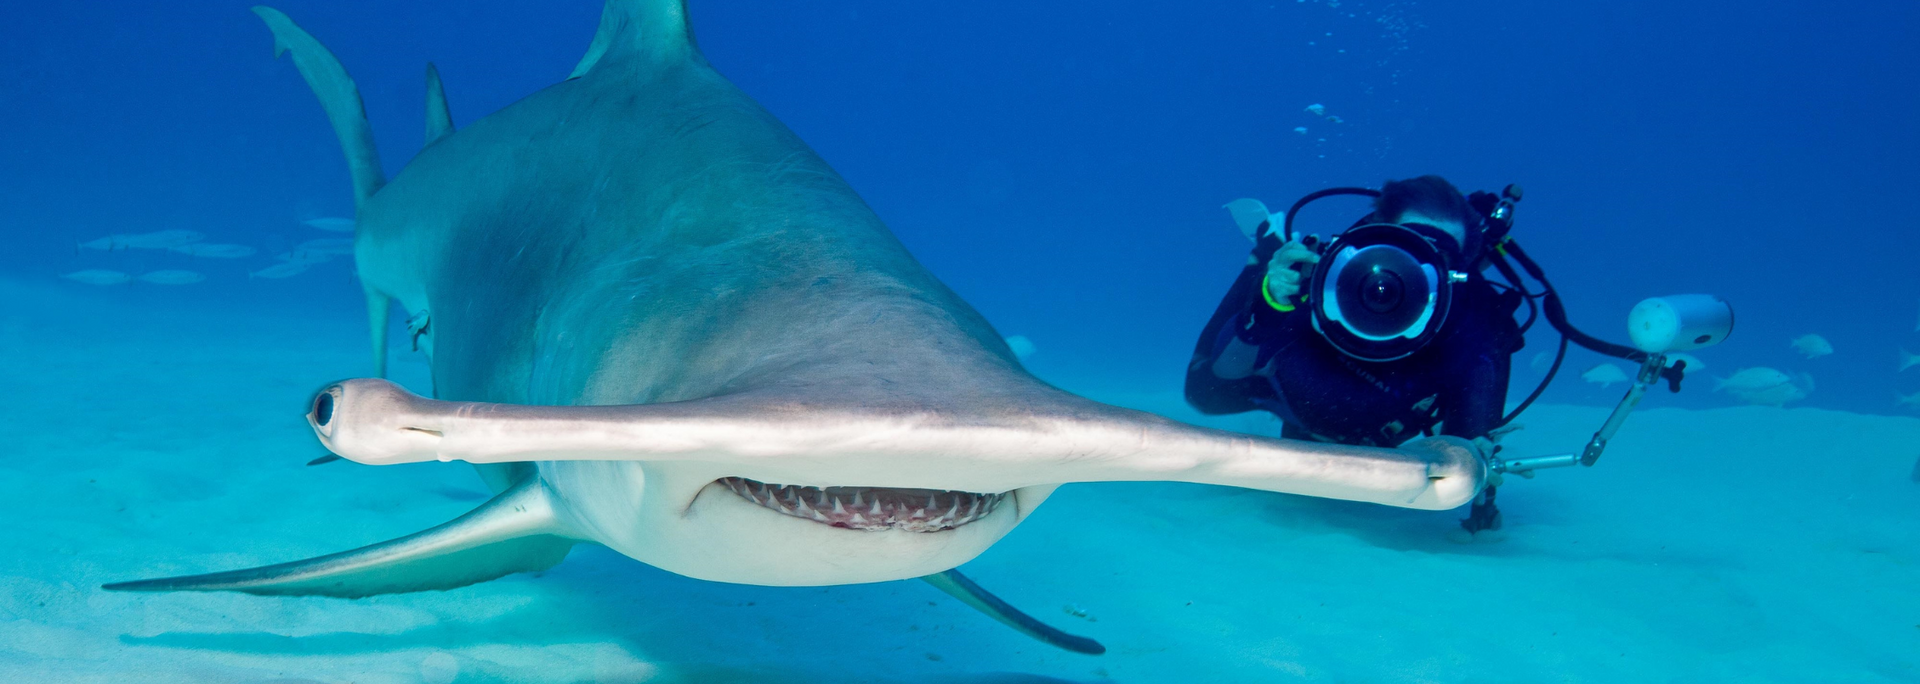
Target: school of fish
{"points": [[193, 244]]}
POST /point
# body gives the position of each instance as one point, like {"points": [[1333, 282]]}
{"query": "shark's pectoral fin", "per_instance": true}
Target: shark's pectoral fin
{"points": [[516, 531], [338, 96], [971, 594]]}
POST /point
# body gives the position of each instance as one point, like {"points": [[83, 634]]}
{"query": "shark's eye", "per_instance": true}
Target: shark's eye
{"points": [[323, 409]]}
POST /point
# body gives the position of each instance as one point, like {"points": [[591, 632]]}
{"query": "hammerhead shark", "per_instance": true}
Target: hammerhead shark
{"points": [[657, 321]]}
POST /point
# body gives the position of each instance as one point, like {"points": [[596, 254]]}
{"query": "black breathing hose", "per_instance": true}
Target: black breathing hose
{"points": [[1557, 316], [1558, 357], [1286, 227]]}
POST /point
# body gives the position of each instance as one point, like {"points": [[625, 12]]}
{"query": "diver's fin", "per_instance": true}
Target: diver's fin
{"points": [[439, 118], [650, 30], [378, 306], [338, 97], [1249, 214], [515, 531], [960, 587]]}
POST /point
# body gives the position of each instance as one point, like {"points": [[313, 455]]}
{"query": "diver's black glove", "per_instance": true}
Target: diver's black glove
{"points": [[1266, 244]]}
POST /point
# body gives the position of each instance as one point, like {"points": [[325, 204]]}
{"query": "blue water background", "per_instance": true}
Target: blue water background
{"points": [[1062, 165]]}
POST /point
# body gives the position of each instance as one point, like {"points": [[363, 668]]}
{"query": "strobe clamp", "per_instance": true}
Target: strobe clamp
{"points": [[1649, 375]]}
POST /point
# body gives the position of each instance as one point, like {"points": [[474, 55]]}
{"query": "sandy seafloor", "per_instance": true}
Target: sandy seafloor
{"points": [[1738, 544]]}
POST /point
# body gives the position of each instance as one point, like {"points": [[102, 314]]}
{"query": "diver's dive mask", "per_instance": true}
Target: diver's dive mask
{"points": [[1383, 290]]}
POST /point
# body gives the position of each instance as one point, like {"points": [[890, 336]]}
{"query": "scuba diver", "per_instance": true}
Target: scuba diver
{"points": [[1393, 330], [1394, 353]]}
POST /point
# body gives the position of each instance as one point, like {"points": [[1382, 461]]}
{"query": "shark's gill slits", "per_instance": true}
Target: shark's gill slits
{"points": [[870, 508]]}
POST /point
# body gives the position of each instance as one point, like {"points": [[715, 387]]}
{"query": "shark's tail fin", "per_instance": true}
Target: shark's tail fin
{"points": [[639, 31], [514, 532], [338, 97]]}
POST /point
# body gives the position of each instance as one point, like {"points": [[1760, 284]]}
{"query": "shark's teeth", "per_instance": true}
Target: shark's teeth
{"points": [[870, 508]]}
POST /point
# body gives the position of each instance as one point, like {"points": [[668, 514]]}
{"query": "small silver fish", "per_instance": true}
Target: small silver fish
{"points": [[163, 239], [1694, 364], [329, 246], [336, 225], [1751, 380], [211, 250], [95, 276], [1812, 346], [304, 258], [1604, 375], [1776, 395], [171, 277], [282, 270]]}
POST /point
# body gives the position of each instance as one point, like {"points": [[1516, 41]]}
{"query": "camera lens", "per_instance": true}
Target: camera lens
{"points": [[1381, 291]]}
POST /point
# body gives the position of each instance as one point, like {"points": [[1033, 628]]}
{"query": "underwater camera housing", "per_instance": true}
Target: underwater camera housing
{"points": [[1382, 291]]}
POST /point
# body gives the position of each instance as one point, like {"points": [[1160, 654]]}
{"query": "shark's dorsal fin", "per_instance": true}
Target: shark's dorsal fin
{"points": [[515, 531], [341, 100], [338, 97], [439, 118], [646, 31]]}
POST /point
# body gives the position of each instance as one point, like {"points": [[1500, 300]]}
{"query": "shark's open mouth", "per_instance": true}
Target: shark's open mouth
{"points": [[870, 508]]}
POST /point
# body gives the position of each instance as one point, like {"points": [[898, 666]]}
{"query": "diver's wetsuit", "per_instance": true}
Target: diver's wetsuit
{"points": [[1253, 356]]}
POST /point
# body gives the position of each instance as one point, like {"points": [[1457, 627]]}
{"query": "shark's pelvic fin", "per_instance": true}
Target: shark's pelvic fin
{"points": [[338, 97], [378, 307], [516, 531], [439, 118], [642, 30], [971, 594]]}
